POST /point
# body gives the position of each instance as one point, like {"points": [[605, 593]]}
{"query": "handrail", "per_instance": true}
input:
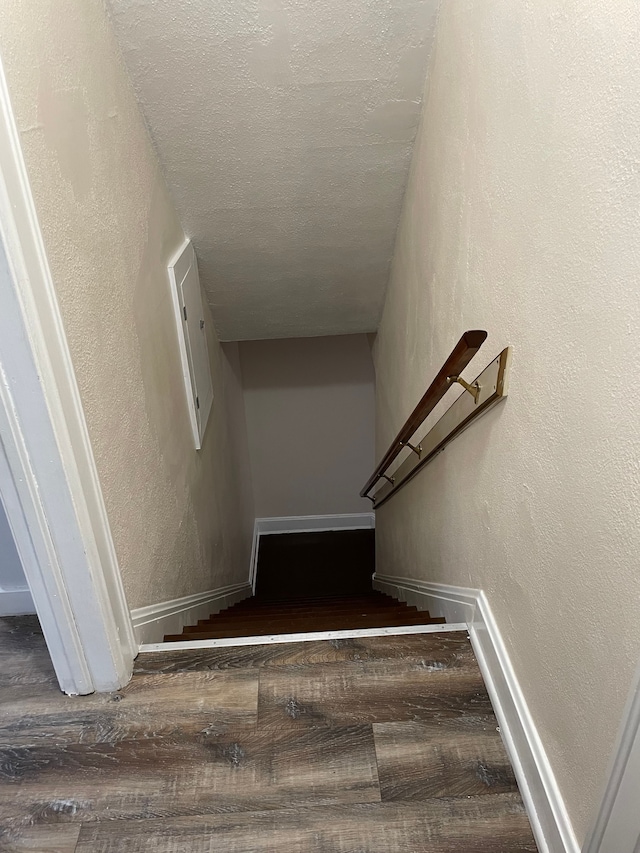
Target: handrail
{"points": [[460, 356], [489, 387]]}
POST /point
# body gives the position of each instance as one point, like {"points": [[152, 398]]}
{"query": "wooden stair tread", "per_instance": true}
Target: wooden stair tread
{"points": [[288, 627], [262, 631], [259, 603], [226, 616], [304, 625], [263, 615], [317, 617], [294, 612]]}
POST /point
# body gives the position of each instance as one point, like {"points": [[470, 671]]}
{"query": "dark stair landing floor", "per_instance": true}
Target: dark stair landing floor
{"points": [[259, 616], [316, 563]]}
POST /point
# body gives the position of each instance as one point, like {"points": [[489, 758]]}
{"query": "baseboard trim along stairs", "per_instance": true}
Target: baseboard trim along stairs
{"points": [[549, 819], [152, 622]]}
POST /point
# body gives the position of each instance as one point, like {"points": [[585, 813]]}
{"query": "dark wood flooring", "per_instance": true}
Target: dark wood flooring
{"points": [[375, 745], [259, 616]]}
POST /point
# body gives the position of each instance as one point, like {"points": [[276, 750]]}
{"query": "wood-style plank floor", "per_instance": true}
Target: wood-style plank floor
{"points": [[369, 745]]}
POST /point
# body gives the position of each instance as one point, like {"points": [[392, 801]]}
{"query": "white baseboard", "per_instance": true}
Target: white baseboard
{"points": [[458, 606], [16, 602], [152, 622], [304, 524], [543, 801]]}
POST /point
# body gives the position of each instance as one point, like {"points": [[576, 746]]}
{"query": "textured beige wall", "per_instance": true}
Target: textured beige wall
{"points": [[181, 520], [522, 216], [310, 419]]}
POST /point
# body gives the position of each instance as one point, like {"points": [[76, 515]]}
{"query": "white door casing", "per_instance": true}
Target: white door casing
{"points": [[48, 478]]}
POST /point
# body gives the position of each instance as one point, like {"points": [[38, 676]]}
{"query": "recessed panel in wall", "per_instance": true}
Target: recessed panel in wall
{"points": [[192, 335]]}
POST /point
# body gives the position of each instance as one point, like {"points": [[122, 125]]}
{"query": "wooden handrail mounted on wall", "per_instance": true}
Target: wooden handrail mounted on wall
{"points": [[461, 355], [486, 390]]}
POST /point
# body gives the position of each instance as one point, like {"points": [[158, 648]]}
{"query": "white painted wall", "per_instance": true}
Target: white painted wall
{"points": [[181, 520], [522, 216], [11, 574], [15, 597], [310, 415]]}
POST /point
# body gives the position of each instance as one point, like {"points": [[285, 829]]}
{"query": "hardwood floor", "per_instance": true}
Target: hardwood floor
{"points": [[369, 745]]}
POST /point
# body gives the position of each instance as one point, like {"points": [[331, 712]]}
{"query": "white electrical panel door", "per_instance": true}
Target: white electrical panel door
{"points": [[192, 334]]}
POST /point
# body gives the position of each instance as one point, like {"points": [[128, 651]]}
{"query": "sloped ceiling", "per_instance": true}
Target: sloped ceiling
{"points": [[285, 129]]}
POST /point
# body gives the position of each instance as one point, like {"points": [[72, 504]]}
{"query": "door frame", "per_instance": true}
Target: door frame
{"points": [[49, 484]]}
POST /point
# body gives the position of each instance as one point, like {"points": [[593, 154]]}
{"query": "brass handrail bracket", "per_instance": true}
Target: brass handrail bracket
{"points": [[417, 450], [474, 389]]}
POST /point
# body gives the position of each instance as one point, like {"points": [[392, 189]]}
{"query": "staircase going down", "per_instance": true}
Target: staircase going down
{"points": [[259, 616]]}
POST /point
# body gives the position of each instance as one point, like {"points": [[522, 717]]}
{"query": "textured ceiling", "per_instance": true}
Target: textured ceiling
{"points": [[285, 129]]}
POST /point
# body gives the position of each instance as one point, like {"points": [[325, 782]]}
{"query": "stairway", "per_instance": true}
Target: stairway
{"points": [[259, 616]]}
